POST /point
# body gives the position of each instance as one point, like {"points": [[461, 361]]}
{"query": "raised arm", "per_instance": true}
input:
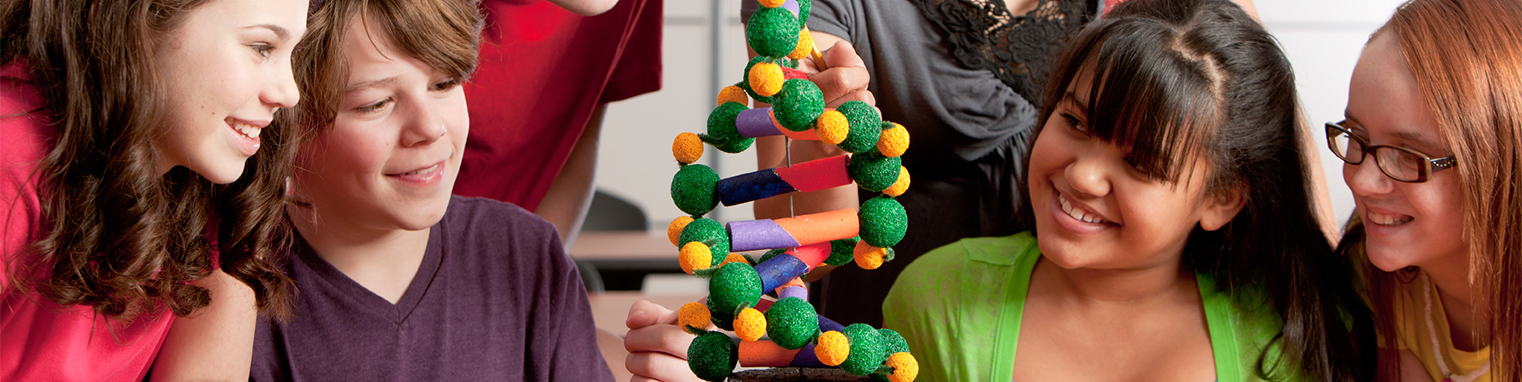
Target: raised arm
{"points": [[565, 204]]}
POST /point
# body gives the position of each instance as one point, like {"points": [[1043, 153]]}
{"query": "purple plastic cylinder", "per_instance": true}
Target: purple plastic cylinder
{"points": [[756, 123], [826, 324], [807, 358], [751, 235], [793, 291]]}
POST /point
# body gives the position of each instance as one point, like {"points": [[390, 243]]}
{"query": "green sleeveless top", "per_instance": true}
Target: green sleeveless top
{"points": [[959, 307]]}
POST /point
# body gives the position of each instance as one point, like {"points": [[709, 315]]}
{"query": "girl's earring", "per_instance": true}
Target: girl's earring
{"points": [[289, 190]]}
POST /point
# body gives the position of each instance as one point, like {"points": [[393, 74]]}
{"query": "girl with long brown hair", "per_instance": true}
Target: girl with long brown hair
{"points": [[1433, 145], [137, 231], [1176, 236]]}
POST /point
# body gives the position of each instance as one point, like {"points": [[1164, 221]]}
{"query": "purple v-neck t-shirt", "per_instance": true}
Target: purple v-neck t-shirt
{"points": [[496, 298]]}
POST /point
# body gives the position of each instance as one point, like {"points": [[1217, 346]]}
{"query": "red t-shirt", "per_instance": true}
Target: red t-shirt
{"points": [[39, 339], [542, 71]]}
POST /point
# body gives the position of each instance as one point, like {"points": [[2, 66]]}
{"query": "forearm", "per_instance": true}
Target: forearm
{"points": [[570, 194], [215, 343]]}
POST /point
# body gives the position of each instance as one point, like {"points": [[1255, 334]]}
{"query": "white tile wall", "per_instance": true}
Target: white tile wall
{"points": [[1322, 39]]}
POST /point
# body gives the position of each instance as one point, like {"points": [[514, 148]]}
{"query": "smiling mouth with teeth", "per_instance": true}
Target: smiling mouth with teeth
{"points": [[1382, 219], [1077, 213], [428, 170], [246, 130]]}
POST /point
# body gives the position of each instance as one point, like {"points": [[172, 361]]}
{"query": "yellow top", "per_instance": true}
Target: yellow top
{"points": [[1413, 334]]}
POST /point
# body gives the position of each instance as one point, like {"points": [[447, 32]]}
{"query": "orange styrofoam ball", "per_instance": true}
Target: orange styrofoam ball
{"points": [[771, 3], [832, 127], [735, 258], [900, 185], [695, 255], [805, 45], [833, 348], [687, 148], [869, 257], [694, 314], [750, 324], [905, 368], [765, 79], [893, 141], [674, 230], [734, 94]]}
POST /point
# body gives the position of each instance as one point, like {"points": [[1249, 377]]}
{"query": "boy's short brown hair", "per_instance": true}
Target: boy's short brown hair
{"points": [[444, 34]]}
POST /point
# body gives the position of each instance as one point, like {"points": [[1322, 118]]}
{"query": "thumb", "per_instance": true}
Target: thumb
{"points": [[645, 313], [842, 54]]}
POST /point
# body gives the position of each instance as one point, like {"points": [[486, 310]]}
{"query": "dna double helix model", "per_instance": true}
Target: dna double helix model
{"points": [[764, 301]]}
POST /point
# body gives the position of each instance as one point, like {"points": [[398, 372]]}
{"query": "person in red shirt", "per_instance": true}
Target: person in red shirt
{"points": [[547, 71]]}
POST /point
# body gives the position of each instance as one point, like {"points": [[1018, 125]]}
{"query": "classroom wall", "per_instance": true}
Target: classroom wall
{"points": [[704, 49]]}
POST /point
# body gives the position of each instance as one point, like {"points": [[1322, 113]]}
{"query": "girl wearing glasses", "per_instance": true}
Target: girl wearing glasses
{"points": [[1431, 141]]}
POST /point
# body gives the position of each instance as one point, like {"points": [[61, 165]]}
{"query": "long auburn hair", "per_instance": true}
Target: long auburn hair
{"points": [[1466, 56], [1181, 79], [120, 237]]}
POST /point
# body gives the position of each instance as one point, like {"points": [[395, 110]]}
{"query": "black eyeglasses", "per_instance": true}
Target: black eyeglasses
{"points": [[1398, 163]]}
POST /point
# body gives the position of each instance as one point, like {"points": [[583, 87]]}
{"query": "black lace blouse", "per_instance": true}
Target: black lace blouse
{"points": [[964, 76], [1019, 50]]}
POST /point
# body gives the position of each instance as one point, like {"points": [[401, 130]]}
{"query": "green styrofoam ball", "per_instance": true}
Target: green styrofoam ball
{"points": [[892, 342], [745, 80], [772, 32], [842, 251], [792, 323], [798, 104], [692, 189], [804, 8], [704, 229], [734, 146], [866, 350], [713, 356], [721, 122], [883, 222], [866, 126], [722, 133], [873, 171], [734, 287], [721, 319]]}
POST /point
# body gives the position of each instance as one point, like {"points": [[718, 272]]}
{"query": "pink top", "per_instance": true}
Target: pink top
{"points": [[41, 340]]}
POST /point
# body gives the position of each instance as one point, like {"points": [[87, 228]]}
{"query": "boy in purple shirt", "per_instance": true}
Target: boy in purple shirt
{"points": [[398, 279]]}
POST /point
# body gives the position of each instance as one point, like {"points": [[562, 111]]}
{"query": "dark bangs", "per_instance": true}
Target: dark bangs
{"points": [[1149, 93]]}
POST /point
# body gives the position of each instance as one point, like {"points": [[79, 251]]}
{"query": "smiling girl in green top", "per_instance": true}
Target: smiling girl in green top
{"points": [[1175, 234]]}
